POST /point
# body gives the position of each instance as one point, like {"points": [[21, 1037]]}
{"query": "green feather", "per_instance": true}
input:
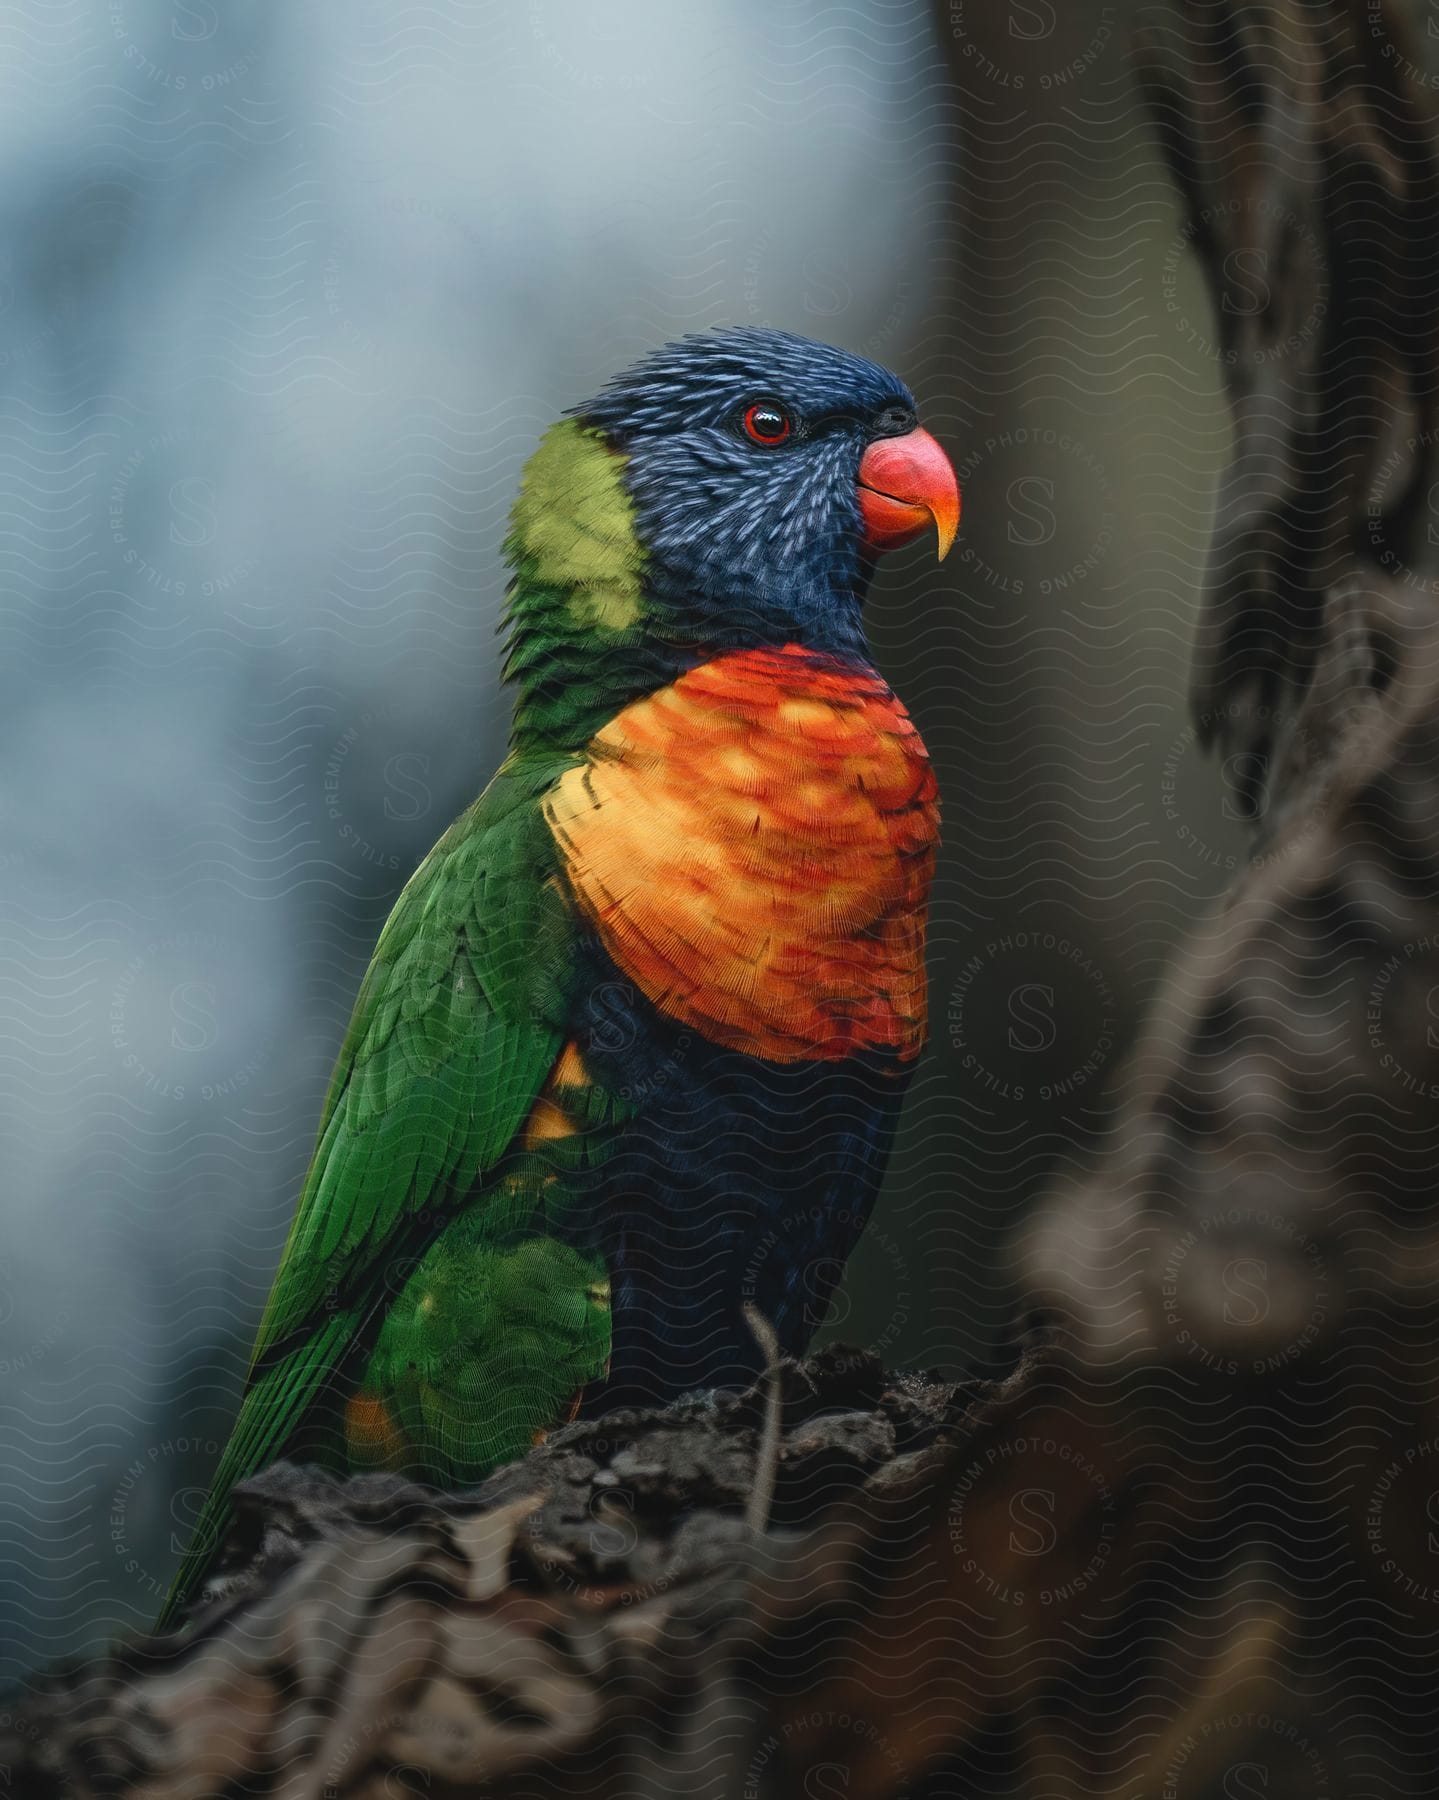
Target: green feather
{"points": [[269, 1415], [454, 1033], [427, 1100], [578, 615], [484, 1341], [573, 526], [457, 1025]]}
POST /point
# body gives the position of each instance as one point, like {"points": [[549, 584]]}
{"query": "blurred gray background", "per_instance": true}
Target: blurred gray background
{"points": [[287, 294]]}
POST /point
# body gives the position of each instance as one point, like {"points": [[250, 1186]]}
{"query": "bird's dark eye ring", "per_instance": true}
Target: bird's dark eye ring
{"points": [[767, 423]]}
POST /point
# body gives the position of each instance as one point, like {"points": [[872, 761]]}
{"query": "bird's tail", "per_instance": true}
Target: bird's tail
{"points": [[274, 1408]]}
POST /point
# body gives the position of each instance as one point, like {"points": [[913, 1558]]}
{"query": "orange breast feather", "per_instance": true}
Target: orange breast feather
{"points": [[754, 845]]}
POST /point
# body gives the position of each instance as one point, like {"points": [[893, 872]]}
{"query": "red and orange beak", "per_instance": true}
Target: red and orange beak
{"points": [[905, 485]]}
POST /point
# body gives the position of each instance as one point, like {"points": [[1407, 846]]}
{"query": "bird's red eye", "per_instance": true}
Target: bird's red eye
{"points": [[766, 422]]}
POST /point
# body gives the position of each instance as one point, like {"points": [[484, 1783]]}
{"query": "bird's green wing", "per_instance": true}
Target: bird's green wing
{"points": [[458, 1022]]}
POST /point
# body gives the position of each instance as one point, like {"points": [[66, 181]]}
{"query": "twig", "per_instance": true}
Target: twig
{"points": [[767, 1462]]}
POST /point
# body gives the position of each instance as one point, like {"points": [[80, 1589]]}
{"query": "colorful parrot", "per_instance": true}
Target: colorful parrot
{"points": [[632, 1047]]}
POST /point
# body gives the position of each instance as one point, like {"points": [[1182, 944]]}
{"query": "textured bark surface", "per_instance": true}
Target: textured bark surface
{"points": [[1301, 134], [599, 1618], [1187, 1548]]}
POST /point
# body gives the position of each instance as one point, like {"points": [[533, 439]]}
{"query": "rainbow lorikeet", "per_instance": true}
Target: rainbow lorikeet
{"points": [[632, 1046]]}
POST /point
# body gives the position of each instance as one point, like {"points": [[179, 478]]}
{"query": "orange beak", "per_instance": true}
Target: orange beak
{"points": [[905, 485]]}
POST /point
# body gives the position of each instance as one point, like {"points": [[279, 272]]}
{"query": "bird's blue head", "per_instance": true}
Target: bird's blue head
{"points": [[765, 470]]}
